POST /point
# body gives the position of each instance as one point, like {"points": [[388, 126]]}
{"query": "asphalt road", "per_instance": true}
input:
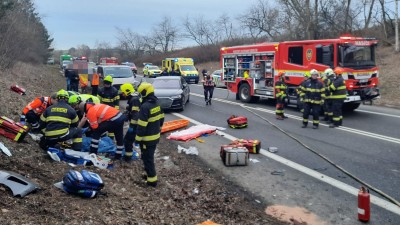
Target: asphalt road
{"points": [[367, 146]]}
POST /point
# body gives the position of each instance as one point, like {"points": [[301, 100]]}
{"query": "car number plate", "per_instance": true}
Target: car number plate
{"points": [[363, 80]]}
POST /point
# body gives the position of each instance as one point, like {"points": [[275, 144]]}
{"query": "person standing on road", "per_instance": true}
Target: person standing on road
{"points": [[151, 119], [338, 89], [314, 95], [134, 101], [95, 82], [280, 93], [300, 93], [327, 79], [208, 85]]}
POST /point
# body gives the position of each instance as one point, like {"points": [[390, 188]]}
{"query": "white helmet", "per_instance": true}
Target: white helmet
{"points": [[314, 71]]}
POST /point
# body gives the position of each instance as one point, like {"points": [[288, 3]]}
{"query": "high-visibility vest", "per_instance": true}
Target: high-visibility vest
{"points": [[95, 79], [83, 80]]}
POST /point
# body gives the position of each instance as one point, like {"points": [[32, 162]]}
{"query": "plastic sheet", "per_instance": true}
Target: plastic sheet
{"points": [[193, 132]]}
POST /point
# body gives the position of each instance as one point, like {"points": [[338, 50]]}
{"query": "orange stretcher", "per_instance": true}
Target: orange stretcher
{"points": [[174, 125]]}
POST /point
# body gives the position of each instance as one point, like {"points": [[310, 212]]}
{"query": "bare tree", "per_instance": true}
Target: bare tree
{"points": [[131, 43], [368, 13], [165, 35], [226, 27], [202, 31], [84, 50]]}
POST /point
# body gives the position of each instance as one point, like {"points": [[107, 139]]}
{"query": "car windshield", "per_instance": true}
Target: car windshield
{"points": [[154, 68], [166, 84], [118, 72], [188, 68], [358, 57]]}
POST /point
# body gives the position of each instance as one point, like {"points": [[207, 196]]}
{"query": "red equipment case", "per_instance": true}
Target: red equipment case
{"points": [[12, 130]]}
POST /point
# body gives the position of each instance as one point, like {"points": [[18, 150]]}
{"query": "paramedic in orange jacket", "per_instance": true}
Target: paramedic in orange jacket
{"points": [[103, 118], [36, 108]]}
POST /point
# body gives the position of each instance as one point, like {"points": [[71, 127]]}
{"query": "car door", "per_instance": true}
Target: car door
{"points": [[185, 88]]}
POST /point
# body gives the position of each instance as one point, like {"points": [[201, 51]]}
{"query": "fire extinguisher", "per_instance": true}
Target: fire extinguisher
{"points": [[364, 205]]}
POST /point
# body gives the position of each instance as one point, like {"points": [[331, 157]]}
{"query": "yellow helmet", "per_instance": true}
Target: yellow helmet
{"points": [[127, 89], [314, 71], [307, 74], [108, 78], [62, 94], [145, 89], [74, 99]]}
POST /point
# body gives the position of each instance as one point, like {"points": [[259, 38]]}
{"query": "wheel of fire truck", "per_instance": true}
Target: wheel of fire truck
{"points": [[244, 94], [349, 107]]}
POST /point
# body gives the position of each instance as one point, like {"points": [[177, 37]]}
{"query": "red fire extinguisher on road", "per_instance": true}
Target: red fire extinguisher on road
{"points": [[364, 205]]}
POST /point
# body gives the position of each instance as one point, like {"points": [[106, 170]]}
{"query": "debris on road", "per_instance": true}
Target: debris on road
{"points": [[278, 172], [18, 89], [254, 160], [320, 169], [4, 149], [189, 151], [19, 185], [273, 149]]}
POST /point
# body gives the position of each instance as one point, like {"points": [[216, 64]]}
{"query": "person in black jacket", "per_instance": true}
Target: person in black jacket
{"points": [[338, 90], [209, 85], [314, 95], [73, 77], [151, 119], [134, 101]]}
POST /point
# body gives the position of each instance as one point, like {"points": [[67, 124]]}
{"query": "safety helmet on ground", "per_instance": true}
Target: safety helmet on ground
{"points": [[307, 74], [338, 71], [145, 89], [108, 79], [127, 89], [74, 99], [62, 94], [314, 72]]}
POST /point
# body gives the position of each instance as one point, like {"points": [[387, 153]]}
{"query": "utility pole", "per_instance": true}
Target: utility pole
{"points": [[397, 27]]}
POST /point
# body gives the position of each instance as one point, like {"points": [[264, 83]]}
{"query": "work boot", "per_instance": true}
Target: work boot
{"points": [[304, 125], [151, 184]]}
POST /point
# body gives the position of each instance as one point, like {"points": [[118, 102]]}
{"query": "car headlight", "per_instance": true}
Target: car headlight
{"points": [[176, 96]]}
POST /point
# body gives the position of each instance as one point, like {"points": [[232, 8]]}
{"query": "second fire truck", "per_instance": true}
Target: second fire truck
{"points": [[249, 70]]}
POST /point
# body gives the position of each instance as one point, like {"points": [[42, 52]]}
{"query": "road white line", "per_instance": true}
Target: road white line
{"points": [[319, 176], [347, 129], [377, 113]]}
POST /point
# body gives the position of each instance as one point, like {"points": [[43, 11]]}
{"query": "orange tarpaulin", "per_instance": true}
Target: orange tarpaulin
{"points": [[174, 125]]}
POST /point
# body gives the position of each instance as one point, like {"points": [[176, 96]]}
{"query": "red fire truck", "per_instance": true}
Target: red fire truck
{"points": [[249, 70], [108, 61]]}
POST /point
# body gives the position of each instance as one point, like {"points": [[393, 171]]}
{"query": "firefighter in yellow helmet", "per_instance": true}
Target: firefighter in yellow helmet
{"points": [[59, 123], [108, 95], [134, 102], [314, 95], [327, 78], [151, 119], [280, 93]]}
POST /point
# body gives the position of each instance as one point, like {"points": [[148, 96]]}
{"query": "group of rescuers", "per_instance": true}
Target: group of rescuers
{"points": [[328, 93], [66, 115]]}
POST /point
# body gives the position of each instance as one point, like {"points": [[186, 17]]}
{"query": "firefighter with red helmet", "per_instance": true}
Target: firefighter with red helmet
{"points": [[209, 85], [59, 123], [36, 108], [104, 118], [280, 93], [314, 95], [338, 90]]}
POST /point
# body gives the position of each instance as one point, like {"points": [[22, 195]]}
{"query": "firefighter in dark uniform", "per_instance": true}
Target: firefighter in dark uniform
{"points": [[280, 93], [134, 102], [108, 95], [151, 119], [327, 78], [314, 95], [59, 123], [208, 85], [338, 90], [300, 93]]}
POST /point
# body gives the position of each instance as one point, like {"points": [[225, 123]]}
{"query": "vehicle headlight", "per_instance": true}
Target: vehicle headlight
{"points": [[176, 96]]}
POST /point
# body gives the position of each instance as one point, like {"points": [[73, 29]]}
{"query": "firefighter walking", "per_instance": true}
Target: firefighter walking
{"points": [[314, 95], [151, 119], [133, 108], [59, 123], [338, 89], [280, 93], [209, 85], [103, 118], [36, 108]]}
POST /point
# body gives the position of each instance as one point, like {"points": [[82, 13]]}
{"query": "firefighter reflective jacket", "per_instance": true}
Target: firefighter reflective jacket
{"points": [[151, 119], [133, 108], [299, 90], [95, 79], [57, 119], [109, 96], [280, 89], [338, 88], [327, 83], [314, 91], [100, 113], [38, 105]]}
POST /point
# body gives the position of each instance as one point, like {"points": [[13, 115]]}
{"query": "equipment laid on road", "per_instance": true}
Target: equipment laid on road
{"points": [[12, 130], [253, 146], [85, 184], [237, 121], [18, 89], [232, 155], [174, 125], [193, 132], [364, 205]]}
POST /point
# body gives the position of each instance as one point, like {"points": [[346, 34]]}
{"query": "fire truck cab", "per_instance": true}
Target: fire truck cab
{"points": [[250, 70]]}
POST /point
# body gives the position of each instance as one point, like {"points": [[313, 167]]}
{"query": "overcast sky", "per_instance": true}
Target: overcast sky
{"points": [[75, 22]]}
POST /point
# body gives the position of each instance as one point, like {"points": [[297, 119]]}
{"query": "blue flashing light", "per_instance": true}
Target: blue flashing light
{"points": [[175, 60]]}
